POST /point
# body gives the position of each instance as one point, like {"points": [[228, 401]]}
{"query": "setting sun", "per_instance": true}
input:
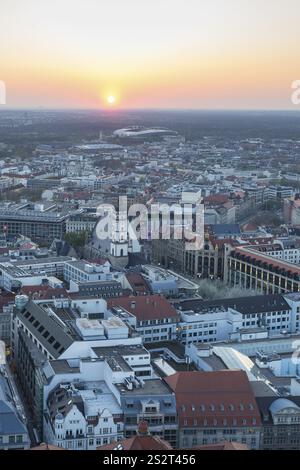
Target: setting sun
{"points": [[111, 99]]}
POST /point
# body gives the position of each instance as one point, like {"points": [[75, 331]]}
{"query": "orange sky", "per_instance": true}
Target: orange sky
{"points": [[163, 53]]}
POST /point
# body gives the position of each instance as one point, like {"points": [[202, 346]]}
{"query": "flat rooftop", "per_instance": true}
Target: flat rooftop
{"points": [[151, 387], [62, 366], [134, 350], [96, 397]]}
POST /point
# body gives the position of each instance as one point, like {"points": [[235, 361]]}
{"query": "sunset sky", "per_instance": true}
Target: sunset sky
{"points": [[203, 54]]}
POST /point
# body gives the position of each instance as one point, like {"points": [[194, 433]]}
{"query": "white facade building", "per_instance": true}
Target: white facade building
{"points": [[81, 271], [215, 325]]}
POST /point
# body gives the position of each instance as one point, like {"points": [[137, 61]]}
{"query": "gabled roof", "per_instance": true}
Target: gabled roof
{"points": [[138, 443], [9, 421], [50, 334], [137, 283], [244, 305], [222, 445], [145, 307], [212, 397], [45, 446], [43, 292]]}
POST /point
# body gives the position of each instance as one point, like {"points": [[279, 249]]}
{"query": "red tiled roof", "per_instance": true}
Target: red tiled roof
{"points": [[231, 178], [15, 175], [211, 397], [256, 240], [44, 446], [139, 443], [249, 227], [43, 292], [216, 198], [221, 242], [145, 307], [27, 246], [6, 298], [251, 253], [137, 282], [222, 445]]}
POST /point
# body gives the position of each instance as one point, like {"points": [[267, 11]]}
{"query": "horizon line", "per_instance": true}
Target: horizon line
{"points": [[115, 110]]}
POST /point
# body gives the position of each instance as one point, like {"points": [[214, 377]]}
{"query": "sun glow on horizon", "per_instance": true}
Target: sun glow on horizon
{"points": [[172, 54], [111, 99]]}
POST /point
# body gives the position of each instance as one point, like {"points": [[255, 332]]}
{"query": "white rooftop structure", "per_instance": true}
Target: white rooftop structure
{"points": [[90, 329], [114, 327], [98, 397], [233, 359], [164, 366]]}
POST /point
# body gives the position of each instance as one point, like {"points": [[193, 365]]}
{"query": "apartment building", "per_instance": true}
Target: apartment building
{"points": [[252, 269], [83, 271], [223, 319], [154, 402], [35, 222], [212, 406], [152, 316]]}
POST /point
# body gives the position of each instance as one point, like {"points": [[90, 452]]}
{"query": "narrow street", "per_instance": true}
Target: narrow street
{"points": [[20, 407]]}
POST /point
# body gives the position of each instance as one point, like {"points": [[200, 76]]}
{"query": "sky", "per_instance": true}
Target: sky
{"points": [[190, 54]]}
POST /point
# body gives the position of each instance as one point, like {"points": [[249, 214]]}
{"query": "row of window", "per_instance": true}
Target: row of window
{"points": [[221, 407], [224, 422], [13, 439]]}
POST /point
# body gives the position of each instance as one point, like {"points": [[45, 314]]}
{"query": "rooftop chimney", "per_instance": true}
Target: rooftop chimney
{"points": [[143, 429]]}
